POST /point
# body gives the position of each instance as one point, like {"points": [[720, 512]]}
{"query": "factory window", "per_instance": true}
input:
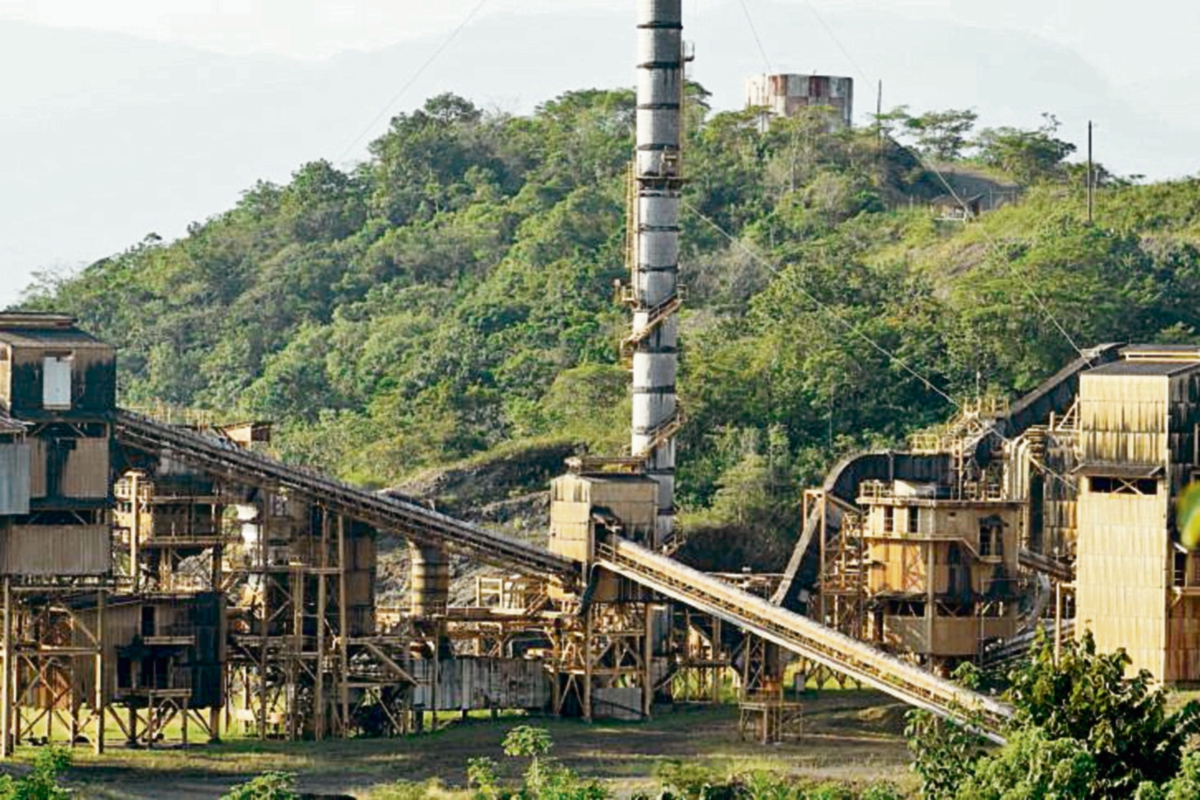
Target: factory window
{"points": [[1100, 484], [914, 519], [889, 519], [56, 382], [991, 537]]}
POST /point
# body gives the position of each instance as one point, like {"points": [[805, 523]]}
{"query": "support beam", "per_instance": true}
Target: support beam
{"points": [[101, 692], [9, 667], [587, 662], [343, 632], [319, 672]]}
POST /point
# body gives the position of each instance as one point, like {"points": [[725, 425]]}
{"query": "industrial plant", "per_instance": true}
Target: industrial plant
{"points": [[165, 578]]}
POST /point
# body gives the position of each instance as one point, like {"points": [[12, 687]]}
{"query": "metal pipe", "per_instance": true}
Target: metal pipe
{"points": [[659, 178]]}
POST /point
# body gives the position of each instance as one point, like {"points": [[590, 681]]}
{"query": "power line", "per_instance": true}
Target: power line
{"points": [[822, 306], [849, 326], [753, 30], [829, 31], [412, 80], [993, 245]]}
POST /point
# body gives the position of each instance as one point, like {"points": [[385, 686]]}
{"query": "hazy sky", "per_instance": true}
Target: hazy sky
{"points": [[110, 154], [1129, 42]]}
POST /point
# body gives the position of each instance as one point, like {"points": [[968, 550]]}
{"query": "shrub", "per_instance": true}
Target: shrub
{"points": [[268, 786]]}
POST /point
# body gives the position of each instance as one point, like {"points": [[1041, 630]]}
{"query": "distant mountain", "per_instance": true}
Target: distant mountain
{"points": [[109, 137]]}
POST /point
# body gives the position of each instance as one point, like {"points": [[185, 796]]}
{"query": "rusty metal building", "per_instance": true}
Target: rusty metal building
{"points": [[786, 95], [58, 401]]}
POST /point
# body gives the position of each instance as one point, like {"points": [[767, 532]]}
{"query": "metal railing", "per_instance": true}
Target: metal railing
{"points": [[657, 316], [801, 635], [665, 431], [414, 522]]}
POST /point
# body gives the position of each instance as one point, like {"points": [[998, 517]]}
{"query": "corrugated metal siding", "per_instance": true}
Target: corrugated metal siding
{"points": [[37, 468], [14, 479], [1123, 418], [61, 550], [86, 472], [481, 683], [1183, 642], [952, 636], [1122, 574], [617, 702]]}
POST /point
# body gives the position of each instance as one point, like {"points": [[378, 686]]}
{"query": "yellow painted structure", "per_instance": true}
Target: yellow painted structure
{"points": [[941, 572], [1136, 586]]}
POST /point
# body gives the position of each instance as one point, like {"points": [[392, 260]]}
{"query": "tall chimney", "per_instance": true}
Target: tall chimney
{"points": [[655, 297]]}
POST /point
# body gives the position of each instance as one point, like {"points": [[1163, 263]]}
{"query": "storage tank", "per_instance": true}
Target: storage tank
{"points": [[430, 585]]}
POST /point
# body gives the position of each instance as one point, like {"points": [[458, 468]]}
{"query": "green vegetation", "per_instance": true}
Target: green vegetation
{"points": [[268, 786], [1081, 729], [453, 294], [544, 779], [42, 781]]}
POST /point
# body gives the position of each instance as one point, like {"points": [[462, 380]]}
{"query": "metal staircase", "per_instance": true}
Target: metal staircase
{"points": [[656, 317]]}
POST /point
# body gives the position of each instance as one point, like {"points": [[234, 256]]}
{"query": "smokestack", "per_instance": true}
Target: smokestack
{"points": [[655, 297]]}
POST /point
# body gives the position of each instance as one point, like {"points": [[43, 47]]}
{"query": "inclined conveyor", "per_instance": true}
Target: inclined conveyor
{"points": [[422, 525], [801, 635], [656, 572]]}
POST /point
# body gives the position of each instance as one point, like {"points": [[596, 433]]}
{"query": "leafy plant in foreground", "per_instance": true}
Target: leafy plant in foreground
{"points": [[268, 786], [1080, 728], [543, 780]]}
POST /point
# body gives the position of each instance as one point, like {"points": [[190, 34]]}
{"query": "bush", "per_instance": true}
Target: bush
{"points": [[42, 781], [544, 779], [1080, 729], [268, 786]]}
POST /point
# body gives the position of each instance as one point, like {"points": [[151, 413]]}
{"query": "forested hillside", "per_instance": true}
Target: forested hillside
{"points": [[453, 295]]}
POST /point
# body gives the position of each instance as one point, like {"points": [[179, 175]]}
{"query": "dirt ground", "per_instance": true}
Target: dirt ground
{"points": [[852, 736]]}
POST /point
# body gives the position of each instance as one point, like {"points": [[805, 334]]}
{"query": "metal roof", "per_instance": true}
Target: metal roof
{"points": [[52, 337], [1163, 368], [1113, 469], [1136, 350]]}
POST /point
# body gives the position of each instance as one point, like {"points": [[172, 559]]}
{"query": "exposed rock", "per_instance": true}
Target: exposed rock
{"points": [[508, 493]]}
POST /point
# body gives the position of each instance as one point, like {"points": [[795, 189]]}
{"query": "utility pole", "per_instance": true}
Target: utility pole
{"points": [[1091, 179], [879, 108]]}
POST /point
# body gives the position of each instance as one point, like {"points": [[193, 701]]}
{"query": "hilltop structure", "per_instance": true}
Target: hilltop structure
{"points": [[785, 95]]}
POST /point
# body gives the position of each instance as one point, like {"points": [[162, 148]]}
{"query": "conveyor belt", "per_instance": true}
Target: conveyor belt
{"points": [[799, 634], [1046, 565], [415, 522], [1018, 647], [1056, 394]]}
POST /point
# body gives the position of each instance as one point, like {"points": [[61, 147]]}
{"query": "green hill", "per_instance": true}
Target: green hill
{"points": [[453, 296]]}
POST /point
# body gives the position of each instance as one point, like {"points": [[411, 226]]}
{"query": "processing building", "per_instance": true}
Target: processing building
{"points": [[1060, 507], [1136, 585], [162, 571]]}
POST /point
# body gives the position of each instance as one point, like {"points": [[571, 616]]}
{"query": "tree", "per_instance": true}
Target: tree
{"points": [[544, 780], [42, 782], [1080, 728], [941, 134], [1029, 155], [1121, 722]]}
